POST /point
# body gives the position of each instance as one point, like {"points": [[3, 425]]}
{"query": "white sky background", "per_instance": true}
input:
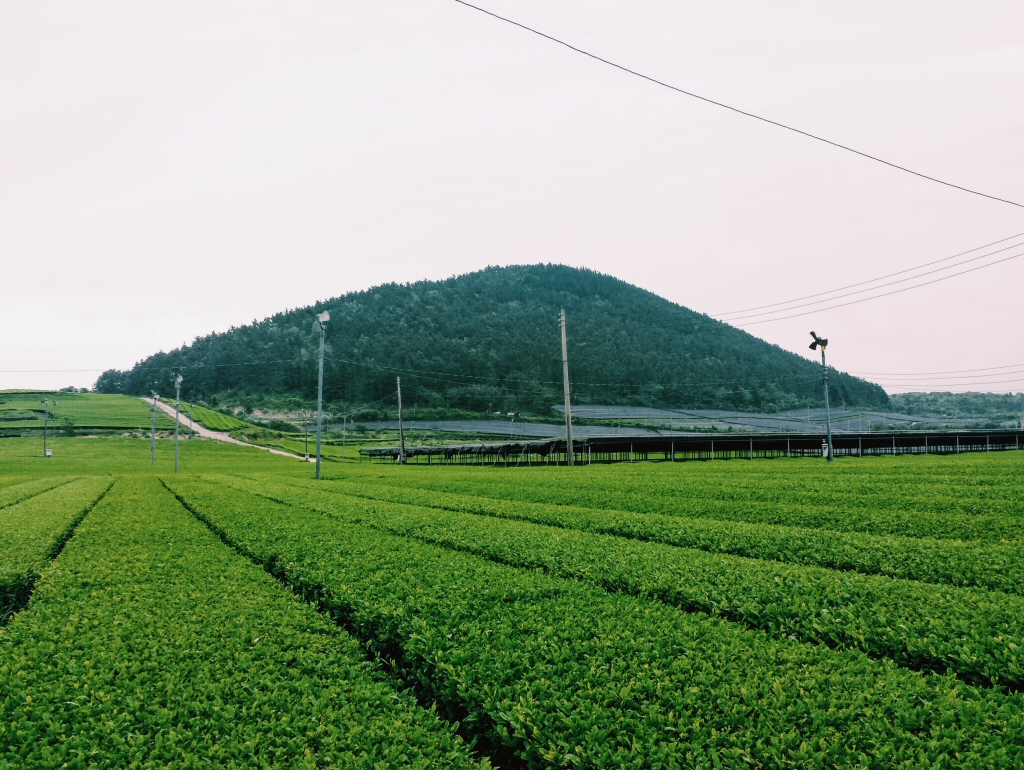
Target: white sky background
{"points": [[171, 169]]}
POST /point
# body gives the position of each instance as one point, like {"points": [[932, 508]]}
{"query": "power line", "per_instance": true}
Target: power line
{"points": [[951, 371], [987, 375], [881, 286], [879, 296], [947, 384], [879, 278], [47, 371], [733, 109]]}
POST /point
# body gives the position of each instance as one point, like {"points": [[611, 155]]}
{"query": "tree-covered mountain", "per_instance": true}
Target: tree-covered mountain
{"points": [[490, 341]]}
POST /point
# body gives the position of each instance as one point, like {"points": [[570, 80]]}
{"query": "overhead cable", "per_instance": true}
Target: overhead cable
{"points": [[884, 294], [733, 109], [876, 280]]}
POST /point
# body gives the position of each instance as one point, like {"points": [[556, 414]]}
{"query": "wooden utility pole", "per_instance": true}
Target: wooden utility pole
{"points": [[401, 430], [565, 385]]}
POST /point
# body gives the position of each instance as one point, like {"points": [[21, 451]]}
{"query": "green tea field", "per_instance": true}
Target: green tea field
{"points": [[778, 613], [79, 411]]}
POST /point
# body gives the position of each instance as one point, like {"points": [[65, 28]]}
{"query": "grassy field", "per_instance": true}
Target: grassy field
{"points": [[215, 420], [81, 411], [778, 613]]}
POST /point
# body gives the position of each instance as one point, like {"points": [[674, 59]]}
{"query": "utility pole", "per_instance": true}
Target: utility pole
{"points": [[152, 434], [323, 318], [46, 425], [305, 431], [56, 409], [401, 430], [344, 425], [828, 415], [177, 414], [565, 386]]}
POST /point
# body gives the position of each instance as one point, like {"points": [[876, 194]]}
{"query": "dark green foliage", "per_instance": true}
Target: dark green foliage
{"points": [[152, 645], [979, 497], [490, 340], [993, 565], [977, 634], [969, 406], [566, 674]]}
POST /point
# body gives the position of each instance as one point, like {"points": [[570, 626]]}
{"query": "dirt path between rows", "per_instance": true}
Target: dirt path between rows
{"points": [[215, 435]]}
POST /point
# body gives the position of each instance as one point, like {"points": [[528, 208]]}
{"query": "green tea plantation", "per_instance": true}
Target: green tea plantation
{"points": [[780, 613]]}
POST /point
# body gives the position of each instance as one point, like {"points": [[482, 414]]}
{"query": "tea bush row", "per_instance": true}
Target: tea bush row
{"points": [[23, 491], [978, 634], [33, 530], [891, 510], [998, 566], [970, 484], [151, 644], [566, 674]]}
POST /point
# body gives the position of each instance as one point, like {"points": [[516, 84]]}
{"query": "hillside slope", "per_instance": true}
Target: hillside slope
{"points": [[490, 341]]}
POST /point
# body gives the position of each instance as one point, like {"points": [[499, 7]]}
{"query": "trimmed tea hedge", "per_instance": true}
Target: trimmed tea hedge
{"points": [[903, 500], [998, 566], [16, 493], [33, 531], [566, 674], [151, 644], [977, 634]]}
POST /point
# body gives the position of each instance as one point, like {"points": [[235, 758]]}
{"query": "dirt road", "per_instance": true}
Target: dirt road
{"points": [[215, 435]]}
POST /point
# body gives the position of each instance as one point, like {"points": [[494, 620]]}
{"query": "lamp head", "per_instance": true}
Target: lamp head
{"points": [[818, 341], [178, 380], [324, 317]]}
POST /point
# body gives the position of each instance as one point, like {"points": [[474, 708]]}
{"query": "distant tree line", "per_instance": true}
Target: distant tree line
{"points": [[961, 405], [489, 341]]}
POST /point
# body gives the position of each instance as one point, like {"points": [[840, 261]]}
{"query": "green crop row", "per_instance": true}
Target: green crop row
{"points": [[32, 532], [977, 634], [86, 410], [996, 566], [10, 481], [215, 420], [151, 644], [18, 492], [566, 674], [834, 513], [991, 484]]}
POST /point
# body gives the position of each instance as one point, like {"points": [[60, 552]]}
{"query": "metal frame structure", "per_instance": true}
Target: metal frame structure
{"points": [[707, 446]]}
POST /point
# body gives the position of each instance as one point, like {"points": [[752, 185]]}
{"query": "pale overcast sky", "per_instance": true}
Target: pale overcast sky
{"points": [[171, 169]]}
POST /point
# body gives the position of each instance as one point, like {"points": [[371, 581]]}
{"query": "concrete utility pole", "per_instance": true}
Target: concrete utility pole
{"points": [[344, 425], [305, 431], [56, 409], [322, 319], [152, 434], [565, 386], [828, 415], [401, 430], [46, 425], [177, 413]]}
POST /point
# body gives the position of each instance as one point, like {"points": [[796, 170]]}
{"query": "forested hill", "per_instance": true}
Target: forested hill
{"points": [[490, 341]]}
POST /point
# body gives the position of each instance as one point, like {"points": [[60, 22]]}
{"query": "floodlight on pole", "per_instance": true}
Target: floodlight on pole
{"points": [[818, 341], [321, 319], [177, 411]]}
